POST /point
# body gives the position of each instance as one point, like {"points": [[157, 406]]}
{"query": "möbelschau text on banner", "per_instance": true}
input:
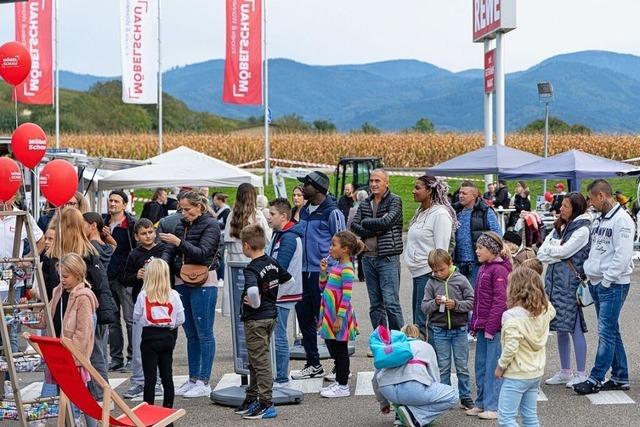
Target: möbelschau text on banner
{"points": [[139, 39], [33, 29], [243, 60]]}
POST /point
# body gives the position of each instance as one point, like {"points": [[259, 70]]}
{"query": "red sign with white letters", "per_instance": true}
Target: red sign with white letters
{"points": [[489, 71], [492, 16]]}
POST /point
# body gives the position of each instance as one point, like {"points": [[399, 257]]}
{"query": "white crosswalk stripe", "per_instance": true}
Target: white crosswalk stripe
{"points": [[615, 397], [32, 391], [360, 384], [177, 382]]}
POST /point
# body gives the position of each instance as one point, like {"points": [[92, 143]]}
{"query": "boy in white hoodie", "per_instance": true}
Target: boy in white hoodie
{"points": [[608, 269], [525, 330]]}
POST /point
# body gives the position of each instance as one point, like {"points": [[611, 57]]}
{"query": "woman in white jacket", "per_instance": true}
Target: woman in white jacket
{"points": [[431, 228]]}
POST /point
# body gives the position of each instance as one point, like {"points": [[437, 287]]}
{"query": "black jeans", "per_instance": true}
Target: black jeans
{"points": [[307, 311], [157, 354], [339, 351]]}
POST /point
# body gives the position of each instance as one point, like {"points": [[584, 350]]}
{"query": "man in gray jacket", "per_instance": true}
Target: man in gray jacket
{"points": [[608, 269], [378, 222]]}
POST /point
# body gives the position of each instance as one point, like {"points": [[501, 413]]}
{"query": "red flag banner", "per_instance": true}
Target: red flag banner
{"points": [[243, 61], [33, 29]]}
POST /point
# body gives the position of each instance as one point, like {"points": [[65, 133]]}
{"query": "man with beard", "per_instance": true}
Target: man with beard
{"points": [[320, 220]]}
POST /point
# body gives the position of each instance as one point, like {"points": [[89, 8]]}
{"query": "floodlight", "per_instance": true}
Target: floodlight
{"points": [[545, 90]]}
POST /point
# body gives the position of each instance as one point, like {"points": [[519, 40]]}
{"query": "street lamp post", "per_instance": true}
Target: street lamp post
{"points": [[545, 94]]}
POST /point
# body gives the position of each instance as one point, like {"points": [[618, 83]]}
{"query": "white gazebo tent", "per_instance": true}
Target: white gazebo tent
{"points": [[180, 167]]}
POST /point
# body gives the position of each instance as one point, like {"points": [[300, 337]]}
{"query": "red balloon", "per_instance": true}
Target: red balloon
{"points": [[58, 182], [29, 144], [10, 178], [15, 63], [548, 196]]}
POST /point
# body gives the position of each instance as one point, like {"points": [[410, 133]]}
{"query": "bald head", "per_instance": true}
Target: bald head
{"points": [[378, 183]]}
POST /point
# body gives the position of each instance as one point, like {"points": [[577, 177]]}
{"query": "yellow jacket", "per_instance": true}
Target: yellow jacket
{"points": [[523, 342]]}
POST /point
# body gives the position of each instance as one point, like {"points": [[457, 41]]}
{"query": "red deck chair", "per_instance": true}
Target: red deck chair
{"points": [[59, 353]]}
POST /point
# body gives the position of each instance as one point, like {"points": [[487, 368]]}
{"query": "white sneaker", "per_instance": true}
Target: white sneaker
{"points": [[331, 385], [336, 391], [185, 387], [559, 378], [577, 379], [282, 385], [200, 389]]}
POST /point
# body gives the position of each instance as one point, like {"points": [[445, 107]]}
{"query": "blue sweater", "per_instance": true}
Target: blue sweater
{"points": [[465, 252]]}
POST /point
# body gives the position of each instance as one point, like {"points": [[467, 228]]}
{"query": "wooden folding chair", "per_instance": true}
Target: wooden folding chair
{"points": [[59, 353]]}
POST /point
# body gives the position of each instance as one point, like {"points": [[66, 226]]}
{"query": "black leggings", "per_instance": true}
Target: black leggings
{"points": [[157, 354], [339, 351]]}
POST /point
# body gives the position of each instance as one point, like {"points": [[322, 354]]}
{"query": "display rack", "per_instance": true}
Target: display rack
{"points": [[15, 313]]}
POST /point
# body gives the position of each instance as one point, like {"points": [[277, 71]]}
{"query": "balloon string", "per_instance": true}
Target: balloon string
{"points": [[15, 99]]}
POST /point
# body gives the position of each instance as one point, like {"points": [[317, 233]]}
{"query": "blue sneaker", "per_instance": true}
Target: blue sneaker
{"points": [[262, 411], [247, 407]]}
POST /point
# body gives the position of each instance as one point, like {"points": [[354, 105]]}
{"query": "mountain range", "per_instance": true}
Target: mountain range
{"points": [[599, 89]]}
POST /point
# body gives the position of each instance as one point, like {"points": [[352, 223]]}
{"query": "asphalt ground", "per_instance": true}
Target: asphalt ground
{"points": [[562, 408]]}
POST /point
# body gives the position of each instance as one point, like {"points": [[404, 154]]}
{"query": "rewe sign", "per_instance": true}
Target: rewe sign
{"points": [[492, 16]]}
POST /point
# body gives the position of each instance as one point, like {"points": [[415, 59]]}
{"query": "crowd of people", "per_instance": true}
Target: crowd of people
{"points": [[472, 282]]}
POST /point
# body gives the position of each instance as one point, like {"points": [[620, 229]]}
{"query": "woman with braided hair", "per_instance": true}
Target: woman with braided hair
{"points": [[431, 228]]}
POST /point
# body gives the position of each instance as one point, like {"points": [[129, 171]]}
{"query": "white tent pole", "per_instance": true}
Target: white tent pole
{"points": [[57, 72], [265, 86], [160, 142]]}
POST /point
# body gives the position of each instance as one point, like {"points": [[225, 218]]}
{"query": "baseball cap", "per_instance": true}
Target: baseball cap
{"points": [[318, 180]]}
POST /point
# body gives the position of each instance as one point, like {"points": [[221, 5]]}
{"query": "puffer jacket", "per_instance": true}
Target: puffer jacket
{"points": [[286, 248], [490, 296], [561, 282], [199, 242], [386, 225]]}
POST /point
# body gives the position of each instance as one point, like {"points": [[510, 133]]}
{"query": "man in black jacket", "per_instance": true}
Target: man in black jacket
{"points": [[379, 223], [502, 195], [120, 224]]}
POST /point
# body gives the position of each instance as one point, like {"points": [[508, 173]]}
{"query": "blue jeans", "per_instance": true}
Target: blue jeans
{"points": [[382, 275], [199, 314], [419, 318], [282, 345], [446, 341], [516, 394], [487, 355], [611, 354], [426, 403]]}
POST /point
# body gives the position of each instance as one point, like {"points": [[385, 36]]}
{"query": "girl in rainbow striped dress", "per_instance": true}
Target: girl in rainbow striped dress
{"points": [[337, 322]]}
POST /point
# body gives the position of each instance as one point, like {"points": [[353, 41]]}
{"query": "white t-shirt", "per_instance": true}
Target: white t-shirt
{"points": [[169, 315], [7, 234]]}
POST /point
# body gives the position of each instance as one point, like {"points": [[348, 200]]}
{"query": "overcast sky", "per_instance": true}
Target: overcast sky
{"points": [[349, 31]]}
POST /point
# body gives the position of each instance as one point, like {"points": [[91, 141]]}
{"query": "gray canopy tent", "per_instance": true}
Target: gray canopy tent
{"points": [[572, 165], [494, 159]]}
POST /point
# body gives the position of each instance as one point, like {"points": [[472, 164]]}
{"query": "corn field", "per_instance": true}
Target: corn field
{"points": [[397, 150]]}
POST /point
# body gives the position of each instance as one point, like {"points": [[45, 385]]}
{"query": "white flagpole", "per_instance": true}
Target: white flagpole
{"points": [[265, 86], [57, 74], [159, 83]]}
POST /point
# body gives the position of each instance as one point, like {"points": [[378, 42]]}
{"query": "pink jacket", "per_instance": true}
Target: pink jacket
{"points": [[78, 320]]}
